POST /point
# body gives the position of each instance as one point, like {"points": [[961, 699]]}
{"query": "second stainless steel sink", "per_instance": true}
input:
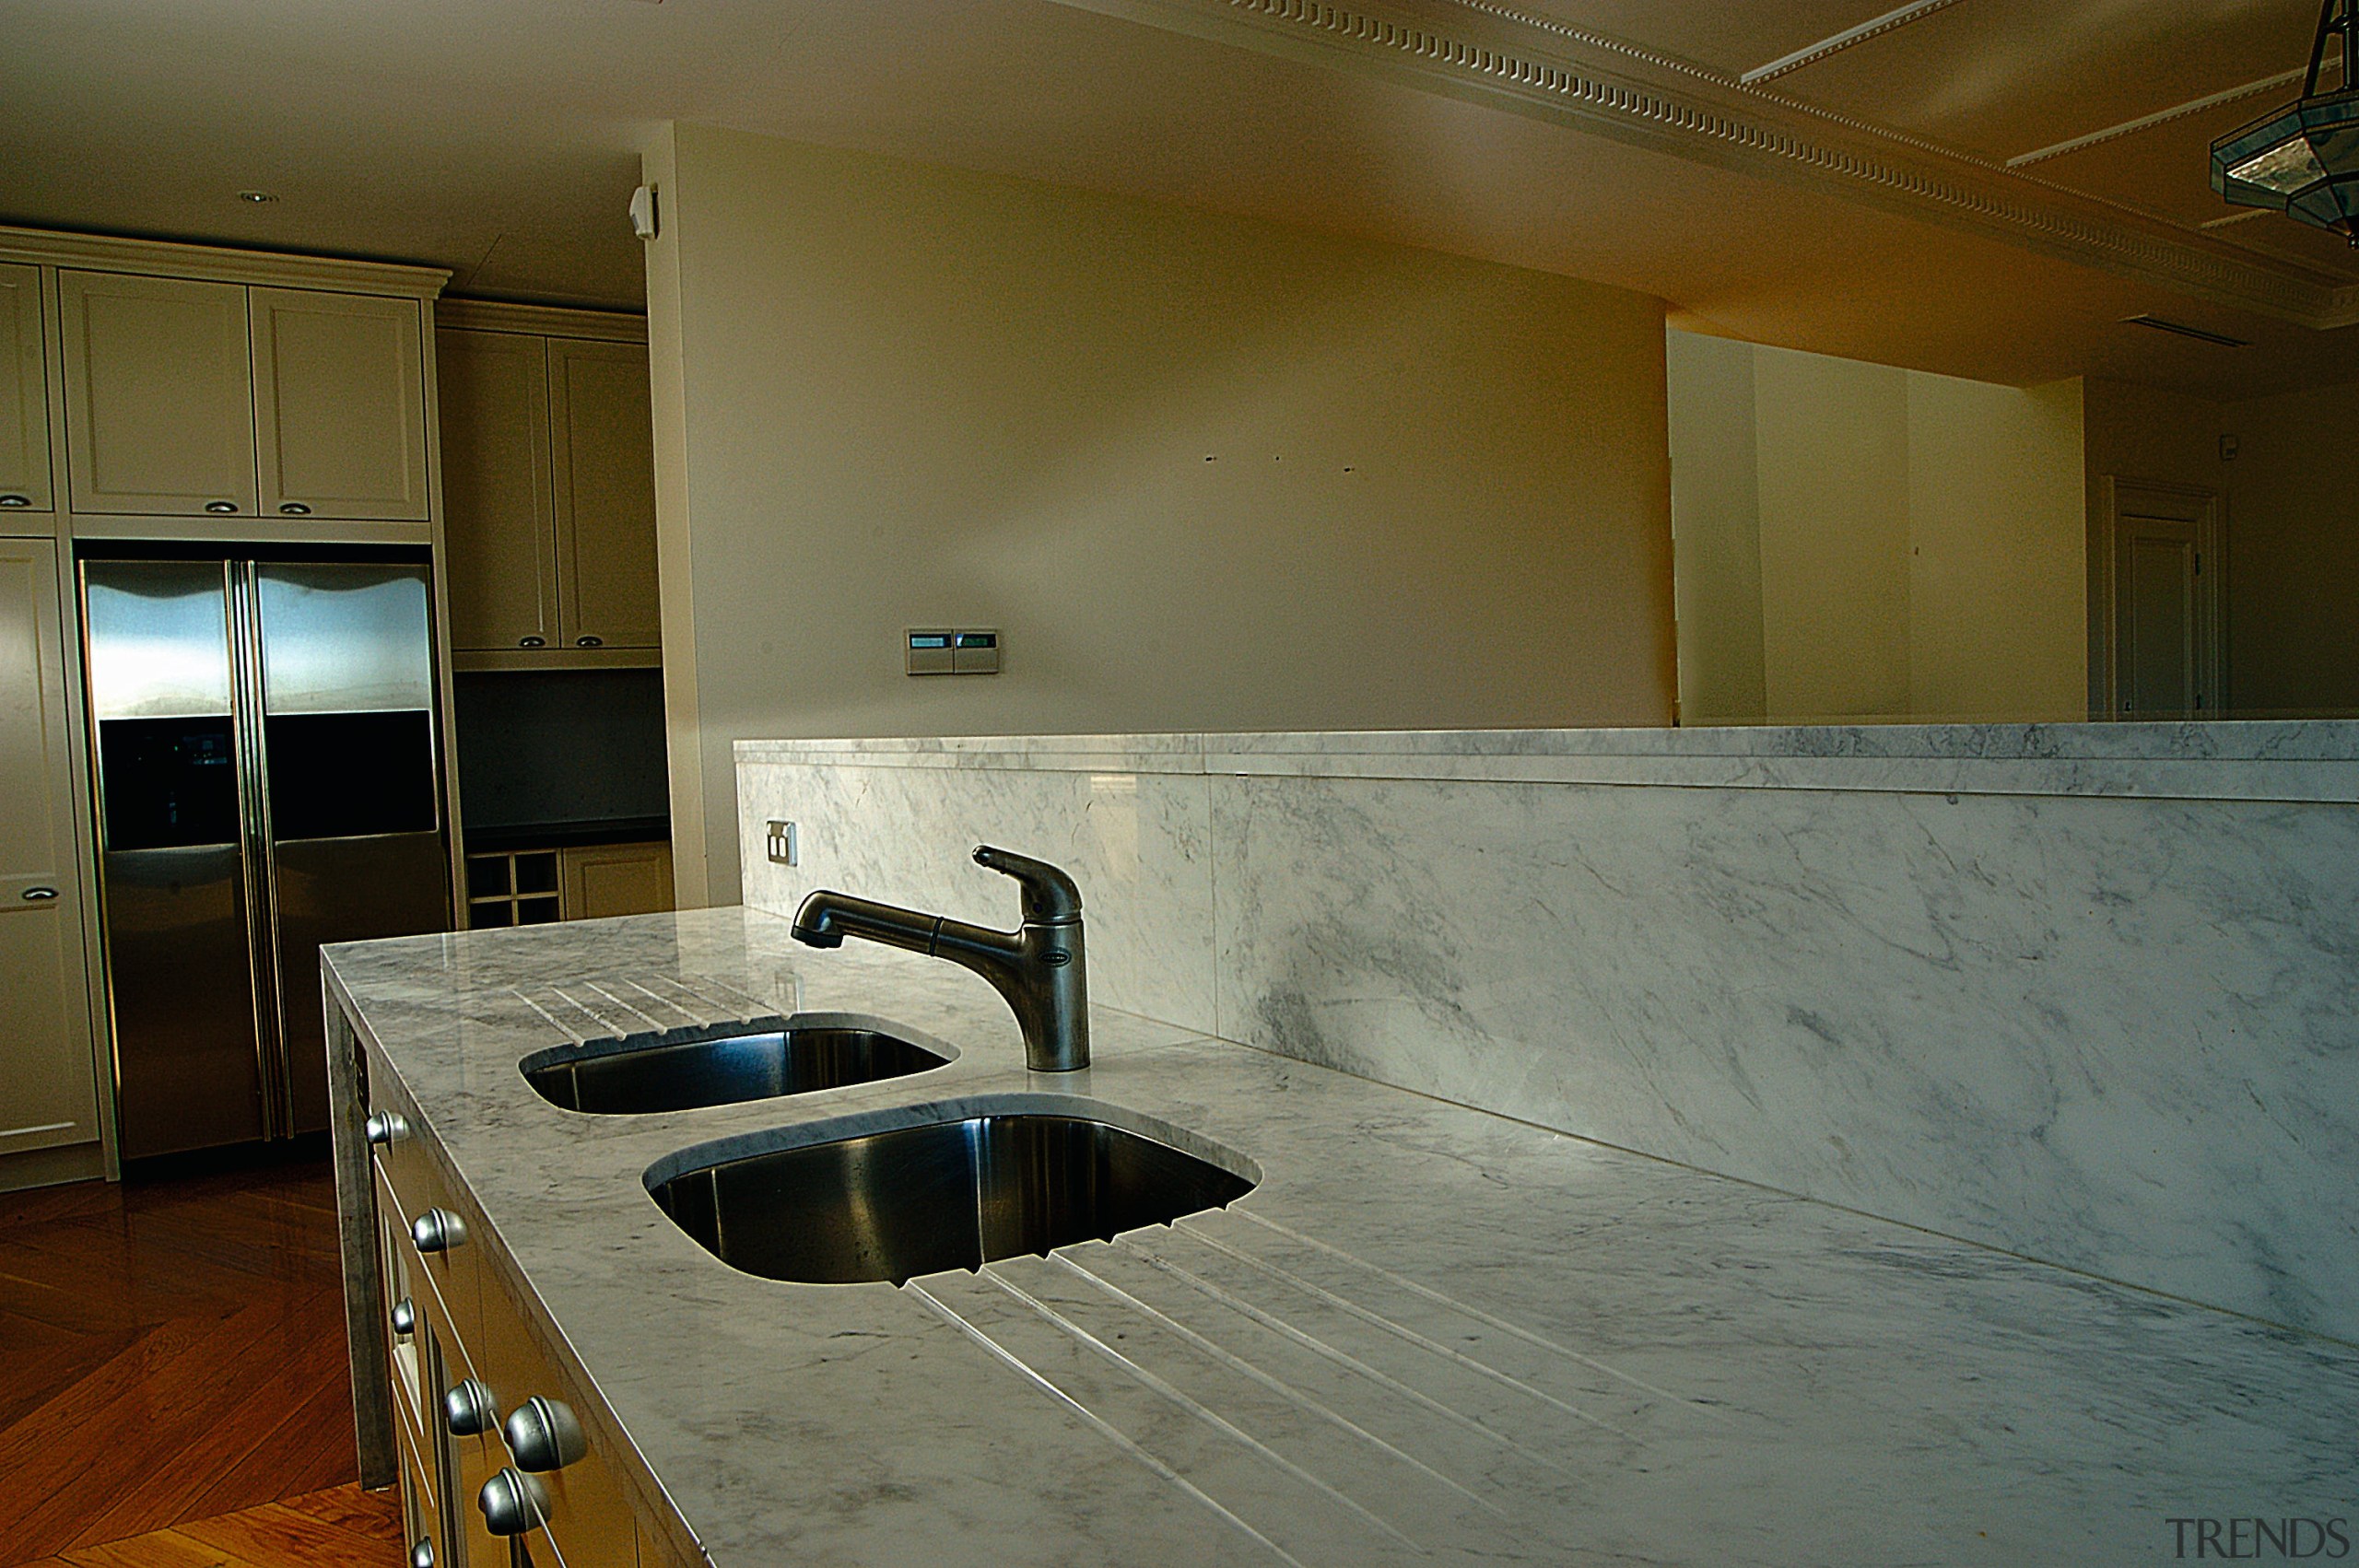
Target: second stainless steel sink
{"points": [[886, 1205], [751, 1064]]}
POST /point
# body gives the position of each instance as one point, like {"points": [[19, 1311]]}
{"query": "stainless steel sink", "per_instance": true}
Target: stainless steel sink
{"points": [[678, 1075], [951, 1195]]}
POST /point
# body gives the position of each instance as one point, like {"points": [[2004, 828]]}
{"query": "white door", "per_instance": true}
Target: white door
{"points": [[48, 1082], [2164, 656]]}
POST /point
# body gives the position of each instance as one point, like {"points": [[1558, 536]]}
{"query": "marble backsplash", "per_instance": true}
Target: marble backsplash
{"points": [[2083, 992]]}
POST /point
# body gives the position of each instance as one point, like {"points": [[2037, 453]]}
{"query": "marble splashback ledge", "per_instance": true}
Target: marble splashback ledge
{"points": [[2085, 992]]}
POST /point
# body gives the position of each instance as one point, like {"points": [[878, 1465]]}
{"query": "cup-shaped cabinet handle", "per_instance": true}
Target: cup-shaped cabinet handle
{"points": [[469, 1408], [13, 499], [514, 1503], [543, 1436], [436, 1230], [384, 1127], [221, 507], [405, 1317], [421, 1552], [531, 642]]}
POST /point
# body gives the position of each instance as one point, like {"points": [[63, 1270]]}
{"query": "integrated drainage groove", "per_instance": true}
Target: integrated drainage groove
{"points": [[1203, 1412], [1344, 1359], [1278, 1386], [1477, 1313], [1377, 1319], [1099, 1424]]}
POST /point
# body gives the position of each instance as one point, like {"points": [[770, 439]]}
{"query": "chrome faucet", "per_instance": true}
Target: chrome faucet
{"points": [[1036, 967]]}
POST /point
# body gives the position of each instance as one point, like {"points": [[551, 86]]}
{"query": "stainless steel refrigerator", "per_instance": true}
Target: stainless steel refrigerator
{"points": [[268, 779]]}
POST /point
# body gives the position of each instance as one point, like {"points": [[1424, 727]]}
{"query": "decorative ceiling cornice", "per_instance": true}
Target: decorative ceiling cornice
{"points": [[1491, 52]]}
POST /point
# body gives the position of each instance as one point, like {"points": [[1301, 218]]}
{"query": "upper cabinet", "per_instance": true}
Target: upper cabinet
{"points": [[602, 439], [499, 525], [339, 395], [159, 413], [24, 395], [548, 487]]}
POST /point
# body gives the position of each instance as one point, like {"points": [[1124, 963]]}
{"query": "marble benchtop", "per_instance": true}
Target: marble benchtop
{"points": [[1429, 1335], [2268, 759]]}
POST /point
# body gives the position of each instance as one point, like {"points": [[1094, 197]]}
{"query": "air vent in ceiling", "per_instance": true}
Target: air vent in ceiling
{"points": [[2182, 329]]}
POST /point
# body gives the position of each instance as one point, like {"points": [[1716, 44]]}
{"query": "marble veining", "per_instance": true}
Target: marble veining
{"points": [[2085, 992], [1428, 1336]]}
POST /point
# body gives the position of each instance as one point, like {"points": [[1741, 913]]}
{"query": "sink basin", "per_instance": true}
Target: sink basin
{"points": [[678, 1075], [886, 1205]]}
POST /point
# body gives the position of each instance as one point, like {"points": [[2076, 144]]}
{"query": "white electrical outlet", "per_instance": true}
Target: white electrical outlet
{"points": [[783, 848]]}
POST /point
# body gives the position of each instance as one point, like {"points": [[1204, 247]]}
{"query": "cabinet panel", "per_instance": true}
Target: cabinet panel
{"points": [[24, 395], [48, 1086], [499, 530], [616, 879], [159, 408], [589, 1519], [339, 404], [603, 455]]}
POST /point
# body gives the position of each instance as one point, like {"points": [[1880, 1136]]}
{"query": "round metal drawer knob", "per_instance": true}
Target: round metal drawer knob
{"points": [[385, 1127], [543, 1436], [421, 1553], [436, 1230], [404, 1317], [469, 1408], [513, 1502]]}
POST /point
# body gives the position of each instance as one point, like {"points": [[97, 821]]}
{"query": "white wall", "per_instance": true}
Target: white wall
{"points": [[1203, 473], [1918, 541]]}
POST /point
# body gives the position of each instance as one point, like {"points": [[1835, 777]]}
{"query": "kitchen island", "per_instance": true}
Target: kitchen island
{"points": [[1427, 1334]]}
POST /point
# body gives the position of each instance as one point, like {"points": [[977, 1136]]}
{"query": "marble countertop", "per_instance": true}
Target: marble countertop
{"points": [[1429, 1334], [2255, 759]]}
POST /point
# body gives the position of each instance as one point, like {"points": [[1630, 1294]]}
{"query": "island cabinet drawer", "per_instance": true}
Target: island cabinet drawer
{"points": [[589, 1523], [426, 1211]]}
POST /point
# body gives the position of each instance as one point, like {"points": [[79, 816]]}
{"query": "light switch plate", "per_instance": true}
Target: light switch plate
{"points": [[783, 848], [974, 651], [929, 651]]}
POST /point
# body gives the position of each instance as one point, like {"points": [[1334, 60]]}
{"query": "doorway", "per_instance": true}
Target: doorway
{"points": [[2158, 601]]}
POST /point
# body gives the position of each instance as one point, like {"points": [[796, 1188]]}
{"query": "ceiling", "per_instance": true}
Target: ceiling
{"points": [[499, 141]]}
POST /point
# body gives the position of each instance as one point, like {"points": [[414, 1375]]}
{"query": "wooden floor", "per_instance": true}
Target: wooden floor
{"points": [[172, 1379]]}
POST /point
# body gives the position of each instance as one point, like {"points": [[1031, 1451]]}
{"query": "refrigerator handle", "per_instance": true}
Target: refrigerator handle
{"points": [[255, 847]]}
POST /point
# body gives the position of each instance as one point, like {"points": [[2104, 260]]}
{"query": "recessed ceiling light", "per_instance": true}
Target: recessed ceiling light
{"points": [[257, 197]]}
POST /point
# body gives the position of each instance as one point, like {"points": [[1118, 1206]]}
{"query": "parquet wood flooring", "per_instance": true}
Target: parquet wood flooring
{"points": [[341, 1528], [173, 1377]]}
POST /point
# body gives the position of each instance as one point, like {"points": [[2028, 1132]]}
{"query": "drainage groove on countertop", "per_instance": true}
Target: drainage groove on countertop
{"points": [[607, 1006], [1329, 1410]]}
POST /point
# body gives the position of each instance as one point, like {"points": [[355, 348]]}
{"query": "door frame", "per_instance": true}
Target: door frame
{"points": [[2211, 593]]}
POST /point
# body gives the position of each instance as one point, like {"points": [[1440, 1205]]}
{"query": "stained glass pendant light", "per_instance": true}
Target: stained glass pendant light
{"points": [[2304, 160]]}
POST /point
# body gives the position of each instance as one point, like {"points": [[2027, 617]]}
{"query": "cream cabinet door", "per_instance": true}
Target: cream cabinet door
{"points": [[48, 1086], [160, 415], [339, 404], [616, 879], [602, 443], [24, 396], [498, 522]]}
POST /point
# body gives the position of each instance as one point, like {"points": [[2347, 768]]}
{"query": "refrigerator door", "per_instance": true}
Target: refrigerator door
{"points": [[354, 809], [181, 976]]}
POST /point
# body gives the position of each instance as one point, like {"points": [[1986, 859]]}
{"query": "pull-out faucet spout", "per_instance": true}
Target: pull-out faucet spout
{"points": [[1038, 967]]}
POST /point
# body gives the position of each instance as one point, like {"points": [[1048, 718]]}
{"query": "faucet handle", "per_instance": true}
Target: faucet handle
{"points": [[1051, 897]]}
